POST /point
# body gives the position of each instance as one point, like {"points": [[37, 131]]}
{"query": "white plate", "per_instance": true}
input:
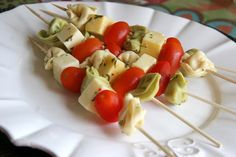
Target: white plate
{"points": [[35, 111]]}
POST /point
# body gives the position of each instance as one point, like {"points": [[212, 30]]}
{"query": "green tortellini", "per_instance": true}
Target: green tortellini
{"points": [[49, 37], [133, 43], [91, 72], [175, 91], [147, 87]]}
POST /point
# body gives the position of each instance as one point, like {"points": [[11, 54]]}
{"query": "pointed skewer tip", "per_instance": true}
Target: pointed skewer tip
{"points": [[37, 15], [59, 7]]}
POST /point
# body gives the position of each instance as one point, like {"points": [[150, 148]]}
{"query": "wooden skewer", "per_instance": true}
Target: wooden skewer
{"points": [[53, 14], [36, 14], [168, 152], [214, 104], [217, 144], [59, 7], [44, 50], [225, 69], [221, 76]]}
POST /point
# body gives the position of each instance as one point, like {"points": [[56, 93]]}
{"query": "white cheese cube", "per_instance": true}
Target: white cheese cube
{"points": [[152, 43], [97, 24], [87, 97], [70, 36], [62, 62], [111, 67], [145, 62]]}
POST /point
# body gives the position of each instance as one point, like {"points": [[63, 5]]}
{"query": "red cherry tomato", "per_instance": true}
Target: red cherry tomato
{"points": [[163, 68], [108, 105], [86, 48], [72, 78], [172, 52], [127, 81], [114, 48], [117, 33]]}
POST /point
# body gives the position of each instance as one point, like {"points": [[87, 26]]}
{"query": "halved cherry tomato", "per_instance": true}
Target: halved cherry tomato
{"points": [[108, 105], [86, 48], [114, 48], [72, 78], [127, 81], [163, 68], [117, 33], [172, 52]]}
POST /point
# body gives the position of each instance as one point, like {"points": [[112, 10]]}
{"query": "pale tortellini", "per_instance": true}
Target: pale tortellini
{"points": [[128, 57], [132, 115], [175, 92], [51, 54], [79, 14], [96, 59], [195, 64]]}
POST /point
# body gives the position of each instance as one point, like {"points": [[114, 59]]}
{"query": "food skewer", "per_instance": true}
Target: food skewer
{"points": [[168, 152], [214, 104], [221, 76], [159, 103], [36, 14], [59, 7], [226, 69], [197, 129], [209, 71]]}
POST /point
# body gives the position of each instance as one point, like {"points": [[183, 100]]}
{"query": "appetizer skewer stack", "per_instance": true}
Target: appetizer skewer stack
{"points": [[147, 68]]}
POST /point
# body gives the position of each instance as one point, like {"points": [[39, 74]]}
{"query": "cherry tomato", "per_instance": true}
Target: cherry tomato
{"points": [[108, 105], [163, 68], [72, 78], [114, 48], [172, 52], [127, 81], [86, 48], [117, 33]]}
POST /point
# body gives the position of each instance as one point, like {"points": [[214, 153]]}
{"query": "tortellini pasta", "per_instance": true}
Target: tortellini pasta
{"points": [[175, 91], [96, 59], [128, 57], [79, 14], [49, 36], [51, 54], [148, 87], [131, 115], [195, 64]]}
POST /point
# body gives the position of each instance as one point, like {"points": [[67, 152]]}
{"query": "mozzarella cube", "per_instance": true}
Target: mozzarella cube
{"points": [[62, 62], [70, 36], [111, 67], [87, 97], [97, 24], [145, 62], [152, 43]]}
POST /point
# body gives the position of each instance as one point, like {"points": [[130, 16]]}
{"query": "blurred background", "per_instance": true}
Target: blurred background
{"points": [[219, 14]]}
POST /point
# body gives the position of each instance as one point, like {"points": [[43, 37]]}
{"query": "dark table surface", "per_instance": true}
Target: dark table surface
{"points": [[219, 14]]}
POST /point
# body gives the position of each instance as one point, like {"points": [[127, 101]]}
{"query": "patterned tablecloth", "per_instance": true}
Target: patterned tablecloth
{"points": [[219, 14]]}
